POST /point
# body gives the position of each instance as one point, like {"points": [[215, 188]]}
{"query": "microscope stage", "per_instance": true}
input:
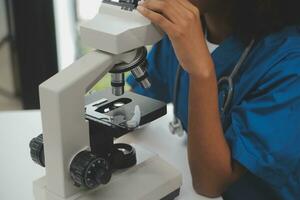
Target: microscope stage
{"points": [[151, 179], [150, 110]]}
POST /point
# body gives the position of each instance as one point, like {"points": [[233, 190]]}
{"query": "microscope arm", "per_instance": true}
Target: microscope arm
{"points": [[65, 129]]}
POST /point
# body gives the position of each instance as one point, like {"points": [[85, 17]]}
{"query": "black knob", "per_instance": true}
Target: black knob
{"points": [[37, 150], [89, 170], [123, 156]]}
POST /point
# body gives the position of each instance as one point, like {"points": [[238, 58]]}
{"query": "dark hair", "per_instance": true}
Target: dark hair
{"points": [[258, 18]]}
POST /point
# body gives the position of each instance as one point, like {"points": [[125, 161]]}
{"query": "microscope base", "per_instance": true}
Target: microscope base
{"points": [[151, 179]]}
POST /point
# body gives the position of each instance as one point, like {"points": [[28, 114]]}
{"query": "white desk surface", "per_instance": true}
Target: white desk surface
{"points": [[17, 171]]}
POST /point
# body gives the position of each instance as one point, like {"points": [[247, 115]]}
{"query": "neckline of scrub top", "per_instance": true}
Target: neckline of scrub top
{"points": [[211, 46], [226, 55]]}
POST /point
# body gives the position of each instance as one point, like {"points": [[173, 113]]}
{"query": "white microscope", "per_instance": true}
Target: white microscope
{"points": [[77, 145]]}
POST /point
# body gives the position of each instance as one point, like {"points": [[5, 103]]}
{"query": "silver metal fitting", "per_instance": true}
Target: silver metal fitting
{"points": [[117, 83]]}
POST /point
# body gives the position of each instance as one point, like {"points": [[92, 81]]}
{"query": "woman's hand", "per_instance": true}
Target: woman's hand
{"points": [[180, 19]]}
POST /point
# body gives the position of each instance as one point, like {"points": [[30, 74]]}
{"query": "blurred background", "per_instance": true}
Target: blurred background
{"points": [[37, 39]]}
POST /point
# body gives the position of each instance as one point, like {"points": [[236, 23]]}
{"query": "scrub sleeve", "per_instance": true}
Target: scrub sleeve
{"points": [[265, 132]]}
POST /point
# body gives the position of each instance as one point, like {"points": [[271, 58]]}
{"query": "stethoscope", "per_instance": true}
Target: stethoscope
{"points": [[225, 87]]}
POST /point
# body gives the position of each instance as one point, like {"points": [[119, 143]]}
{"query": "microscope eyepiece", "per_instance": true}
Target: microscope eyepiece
{"points": [[124, 4]]}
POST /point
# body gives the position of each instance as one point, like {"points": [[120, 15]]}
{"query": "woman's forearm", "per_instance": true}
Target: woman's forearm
{"points": [[209, 154]]}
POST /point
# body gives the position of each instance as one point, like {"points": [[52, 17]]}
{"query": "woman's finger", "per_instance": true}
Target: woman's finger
{"points": [[162, 7], [180, 10], [158, 19], [189, 6]]}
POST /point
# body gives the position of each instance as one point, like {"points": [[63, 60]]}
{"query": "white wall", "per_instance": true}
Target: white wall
{"points": [[87, 9], [66, 27], [6, 69], [3, 22], [65, 32]]}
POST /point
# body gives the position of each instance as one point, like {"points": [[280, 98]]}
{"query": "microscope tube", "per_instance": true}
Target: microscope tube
{"points": [[141, 76], [117, 83]]}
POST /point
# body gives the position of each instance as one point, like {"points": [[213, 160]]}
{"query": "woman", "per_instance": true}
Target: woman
{"points": [[249, 150]]}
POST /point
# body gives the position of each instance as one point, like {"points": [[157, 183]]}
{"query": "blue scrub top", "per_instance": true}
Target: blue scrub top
{"points": [[263, 122]]}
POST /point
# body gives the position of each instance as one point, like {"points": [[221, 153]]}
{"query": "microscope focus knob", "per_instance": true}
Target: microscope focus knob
{"points": [[37, 150], [89, 170]]}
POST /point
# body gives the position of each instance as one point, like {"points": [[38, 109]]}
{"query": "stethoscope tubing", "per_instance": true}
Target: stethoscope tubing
{"points": [[241, 61], [225, 79]]}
